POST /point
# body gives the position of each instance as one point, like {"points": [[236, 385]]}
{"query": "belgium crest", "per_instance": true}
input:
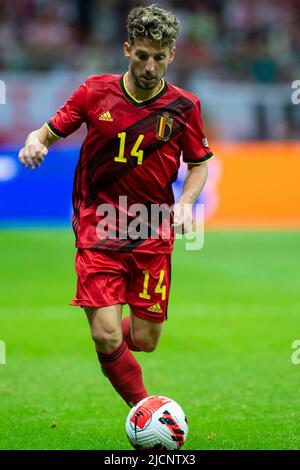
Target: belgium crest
{"points": [[164, 127]]}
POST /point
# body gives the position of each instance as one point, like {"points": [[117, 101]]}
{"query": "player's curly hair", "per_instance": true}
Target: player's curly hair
{"points": [[153, 23]]}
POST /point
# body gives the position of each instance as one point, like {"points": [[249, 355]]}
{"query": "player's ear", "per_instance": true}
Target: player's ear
{"points": [[126, 49], [172, 54]]}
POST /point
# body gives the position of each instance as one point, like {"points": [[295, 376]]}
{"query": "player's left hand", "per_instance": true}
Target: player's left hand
{"points": [[183, 218], [33, 155]]}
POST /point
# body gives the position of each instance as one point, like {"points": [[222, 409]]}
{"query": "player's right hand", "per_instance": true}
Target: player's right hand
{"points": [[32, 155]]}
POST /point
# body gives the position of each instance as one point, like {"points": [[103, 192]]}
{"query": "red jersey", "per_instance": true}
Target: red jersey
{"points": [[132, 150]]}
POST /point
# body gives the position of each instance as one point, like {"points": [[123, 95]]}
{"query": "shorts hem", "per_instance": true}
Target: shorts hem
{"points": [[88, 303], [146, 316], [147, 251]]}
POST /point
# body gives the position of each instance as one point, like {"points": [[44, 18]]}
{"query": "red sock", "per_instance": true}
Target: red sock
{"points": [[124, 373], [127, 335]]}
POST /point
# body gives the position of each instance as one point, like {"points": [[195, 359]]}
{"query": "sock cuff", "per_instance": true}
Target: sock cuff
{"points": [[113, 355]]}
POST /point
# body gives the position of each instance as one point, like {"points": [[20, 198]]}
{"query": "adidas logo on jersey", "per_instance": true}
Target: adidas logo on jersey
{"points": [[106, 117], [156, 308]]}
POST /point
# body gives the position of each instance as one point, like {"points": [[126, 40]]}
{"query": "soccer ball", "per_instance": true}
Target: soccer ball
{"points": [[157, 423]]}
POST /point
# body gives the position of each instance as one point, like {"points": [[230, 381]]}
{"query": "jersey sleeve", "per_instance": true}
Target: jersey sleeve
{"points": [[195, 148], [71, 115]]}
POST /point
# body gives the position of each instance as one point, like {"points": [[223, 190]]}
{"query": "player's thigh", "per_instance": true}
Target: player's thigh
{"points": [[148, 289], [101, 279], [105, 325]]}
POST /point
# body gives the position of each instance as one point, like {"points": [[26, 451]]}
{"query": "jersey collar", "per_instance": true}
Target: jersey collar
{"points": [[136, 102]]}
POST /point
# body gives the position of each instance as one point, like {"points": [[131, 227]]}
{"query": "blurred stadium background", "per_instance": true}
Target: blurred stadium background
{"points": [[240, 58]]}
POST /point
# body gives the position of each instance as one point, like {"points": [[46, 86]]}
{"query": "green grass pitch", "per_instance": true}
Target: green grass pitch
{"points": [[225, 354]]}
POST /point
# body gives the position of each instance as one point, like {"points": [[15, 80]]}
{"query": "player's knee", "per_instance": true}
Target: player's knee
{"points": [[106, 339], [145, 344], [148, 347]]}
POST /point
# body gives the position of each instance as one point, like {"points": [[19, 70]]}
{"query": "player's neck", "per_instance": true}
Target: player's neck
{"points": [[138, 93]]}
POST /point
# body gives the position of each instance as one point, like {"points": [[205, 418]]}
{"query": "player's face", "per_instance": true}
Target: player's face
{"points": [[148, 62]]}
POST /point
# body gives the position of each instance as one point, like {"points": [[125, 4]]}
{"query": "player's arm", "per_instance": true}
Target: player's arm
{"points": [[66, 120], [36, 147], [196, 153], [193, 185]]}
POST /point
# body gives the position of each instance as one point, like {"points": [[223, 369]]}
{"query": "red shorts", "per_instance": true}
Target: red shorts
{"points": [[141, 280]]}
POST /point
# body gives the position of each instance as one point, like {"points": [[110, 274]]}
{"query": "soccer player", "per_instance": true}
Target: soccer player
{"points": [[137, 128]]}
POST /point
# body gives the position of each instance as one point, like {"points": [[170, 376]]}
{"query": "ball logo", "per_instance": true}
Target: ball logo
{"points": [[173, 426], [143, 415]]}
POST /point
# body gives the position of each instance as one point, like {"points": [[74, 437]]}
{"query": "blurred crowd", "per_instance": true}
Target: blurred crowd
{"points": [[239, 40]]}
